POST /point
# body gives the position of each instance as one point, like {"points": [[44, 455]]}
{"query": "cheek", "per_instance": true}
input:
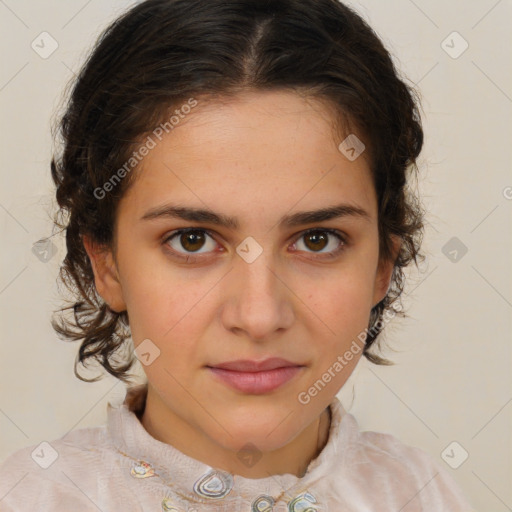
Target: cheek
{"points": [[341, 309], [346, 314], [164, 309], [156, 297], [344, 298], [172, 319], [344, 309]]}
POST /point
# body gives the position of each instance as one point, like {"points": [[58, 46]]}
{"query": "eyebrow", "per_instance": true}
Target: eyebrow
{"points": [[287, 221]]}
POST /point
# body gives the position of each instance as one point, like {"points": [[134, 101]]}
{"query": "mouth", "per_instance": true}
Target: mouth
{"points": [[256, 377]]}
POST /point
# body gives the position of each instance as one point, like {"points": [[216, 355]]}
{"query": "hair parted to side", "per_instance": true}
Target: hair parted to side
{"points": [[159, 55]]}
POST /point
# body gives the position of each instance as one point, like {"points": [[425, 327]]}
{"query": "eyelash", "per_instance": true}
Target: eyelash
{"points": [[191, 258]]}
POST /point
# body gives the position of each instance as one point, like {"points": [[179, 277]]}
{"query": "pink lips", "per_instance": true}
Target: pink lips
{"points": [[255, 377]]}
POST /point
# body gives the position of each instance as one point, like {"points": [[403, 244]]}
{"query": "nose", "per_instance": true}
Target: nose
{"points": [[257, 303]]}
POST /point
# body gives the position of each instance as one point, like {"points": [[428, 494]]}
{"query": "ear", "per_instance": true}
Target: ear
{"points": [[106, 277], [385, 272]]}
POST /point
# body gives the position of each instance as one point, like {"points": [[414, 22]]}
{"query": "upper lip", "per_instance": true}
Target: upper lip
{"points": [[246, 365]]}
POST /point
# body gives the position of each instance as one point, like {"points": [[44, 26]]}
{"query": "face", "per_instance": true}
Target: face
{"points": [[257, 287]]}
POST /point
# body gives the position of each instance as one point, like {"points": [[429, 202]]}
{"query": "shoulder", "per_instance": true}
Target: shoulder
{"points": [[411, 475], [52, 475]]}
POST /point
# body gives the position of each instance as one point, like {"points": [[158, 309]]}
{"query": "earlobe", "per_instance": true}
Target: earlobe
{"points": [[106, 276]]}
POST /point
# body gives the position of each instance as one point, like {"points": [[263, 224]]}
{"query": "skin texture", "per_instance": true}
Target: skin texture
{"points": [[256, 157]]}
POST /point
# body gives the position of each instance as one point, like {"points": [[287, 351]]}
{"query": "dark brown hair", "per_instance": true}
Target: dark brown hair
{"points": [[159, 55]]}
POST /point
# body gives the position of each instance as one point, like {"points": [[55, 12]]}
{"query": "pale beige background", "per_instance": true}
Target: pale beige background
{"points": [[452, 378]]}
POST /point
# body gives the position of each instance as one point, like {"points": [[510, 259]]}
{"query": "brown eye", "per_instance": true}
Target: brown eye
{"points": [[190, 241], [317, 240]]}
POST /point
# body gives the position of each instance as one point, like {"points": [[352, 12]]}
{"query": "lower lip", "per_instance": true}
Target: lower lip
{"points": [[256, 383]]}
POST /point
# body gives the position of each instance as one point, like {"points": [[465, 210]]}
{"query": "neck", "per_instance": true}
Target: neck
{"points": [[294, 458]]}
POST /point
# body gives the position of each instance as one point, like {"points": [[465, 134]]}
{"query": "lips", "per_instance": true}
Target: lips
{"points": [[256, 377]]}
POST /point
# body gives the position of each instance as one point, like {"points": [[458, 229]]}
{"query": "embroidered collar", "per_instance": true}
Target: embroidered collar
{"points": [[197, 482]]}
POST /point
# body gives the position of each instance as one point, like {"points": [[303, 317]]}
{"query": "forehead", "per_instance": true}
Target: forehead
{"points": [[257, 152]]}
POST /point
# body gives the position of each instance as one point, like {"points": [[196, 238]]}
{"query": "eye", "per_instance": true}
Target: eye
{"points": [[318, 239], [186, 243], [192, 240]]}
